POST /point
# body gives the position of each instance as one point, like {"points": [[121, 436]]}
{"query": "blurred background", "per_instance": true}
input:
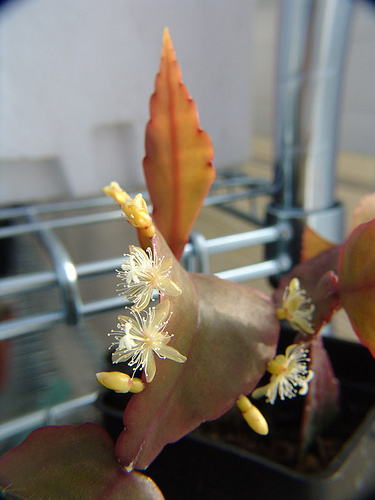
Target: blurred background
{"points": [[75, 82]]}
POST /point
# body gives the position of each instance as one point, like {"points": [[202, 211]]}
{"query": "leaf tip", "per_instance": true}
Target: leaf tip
{"points": [[166, 34], [167, 47]]}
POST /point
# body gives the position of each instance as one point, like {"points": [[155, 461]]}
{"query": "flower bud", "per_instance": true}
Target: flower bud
{"points": [[120, 382]]}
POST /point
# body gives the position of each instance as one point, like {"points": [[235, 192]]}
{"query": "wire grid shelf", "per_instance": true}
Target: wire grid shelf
{"points": [[52, 283]]}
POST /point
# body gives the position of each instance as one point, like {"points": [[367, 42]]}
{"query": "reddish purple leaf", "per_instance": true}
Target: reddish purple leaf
{"points": [[322, 400], [71, 462], [228, 332]]}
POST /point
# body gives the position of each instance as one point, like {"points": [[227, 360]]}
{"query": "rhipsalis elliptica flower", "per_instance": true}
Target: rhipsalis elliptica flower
{"points": [[290, 375], [296, 308], [143, 335], [142, 274]]}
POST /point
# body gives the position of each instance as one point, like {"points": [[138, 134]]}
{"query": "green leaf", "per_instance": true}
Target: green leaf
{"points": [[71, 463]]}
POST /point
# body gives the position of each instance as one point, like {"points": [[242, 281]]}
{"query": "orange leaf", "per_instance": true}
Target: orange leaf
{"points": [[356, 271], [313, 244], [178, 163], [364, 211]]}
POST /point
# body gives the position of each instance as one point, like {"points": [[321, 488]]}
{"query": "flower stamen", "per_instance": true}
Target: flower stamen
{"points": [[141, 336], [289, 375], [142, 274]]}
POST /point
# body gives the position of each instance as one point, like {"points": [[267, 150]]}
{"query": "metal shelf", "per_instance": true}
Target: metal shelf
{"points": [[43, 222]]}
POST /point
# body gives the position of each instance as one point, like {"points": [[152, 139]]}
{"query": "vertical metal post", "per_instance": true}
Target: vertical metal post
{"points": [[312, 48]]}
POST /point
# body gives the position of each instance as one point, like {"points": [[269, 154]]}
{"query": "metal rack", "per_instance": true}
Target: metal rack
{"points": [[66, 274], [43, 222]]}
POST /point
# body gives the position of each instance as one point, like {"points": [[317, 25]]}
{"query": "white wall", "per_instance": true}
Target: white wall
{"points": [[357, 111], [76, 77], [357, 124]]}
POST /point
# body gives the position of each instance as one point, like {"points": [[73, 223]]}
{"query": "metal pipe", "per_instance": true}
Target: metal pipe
{"points": [[22, 326], [34, 281], [252, 187], [31, 282], [249, 238], [77, 220], [259, 270], [242, 240], [65, 270], [44, 417], [312, 48]]}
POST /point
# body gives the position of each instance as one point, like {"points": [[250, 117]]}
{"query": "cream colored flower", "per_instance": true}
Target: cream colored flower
{"points": [[289, 375], [142, 274], [296, 308], [143, 335]]}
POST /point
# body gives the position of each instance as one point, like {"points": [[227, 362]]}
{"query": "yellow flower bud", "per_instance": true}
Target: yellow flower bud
{"points": [[252, 415], [116, 192], [120, 382], [134, 209]]}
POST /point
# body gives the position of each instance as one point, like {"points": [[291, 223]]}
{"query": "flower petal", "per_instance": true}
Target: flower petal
{"points": [[167, 351], [142, 299], [165, 265], [150, 367], [161, 312], [259, 392], [169, 287]]}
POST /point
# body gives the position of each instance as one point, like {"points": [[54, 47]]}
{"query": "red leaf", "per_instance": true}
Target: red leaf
{"points": [[357, 282], [178, 162], [75, 462], [228, 332]]}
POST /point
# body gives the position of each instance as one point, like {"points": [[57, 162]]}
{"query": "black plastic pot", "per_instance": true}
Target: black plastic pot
{"points": [[200, 466]]}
